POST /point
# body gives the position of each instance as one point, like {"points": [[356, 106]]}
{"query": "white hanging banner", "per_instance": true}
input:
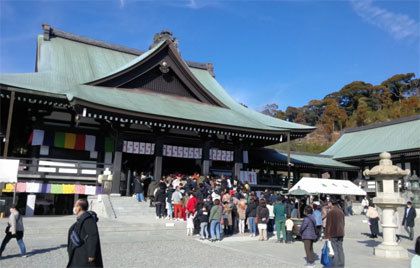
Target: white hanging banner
{"points": [[245, 157], [136, 148], [190, 152], [168, 150], [9, 170], [130, 146], [221, 155], [248, 176], [196, 153], [142, 149], [224, 153], [30, 205], [180, 151], [148, 148]]}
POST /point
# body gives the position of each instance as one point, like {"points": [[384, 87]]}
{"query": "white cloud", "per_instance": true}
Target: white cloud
{"points": [[198, 4], [122, 3], [400, 26]]}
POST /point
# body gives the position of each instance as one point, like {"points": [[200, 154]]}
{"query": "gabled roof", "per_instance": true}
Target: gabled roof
{"points": [[394, 136], [278, 157], [67, 64]]}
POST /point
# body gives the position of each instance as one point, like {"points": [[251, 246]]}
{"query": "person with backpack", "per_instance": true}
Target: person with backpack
{"points": [[308, 235], [84, 246], [14, 229]]}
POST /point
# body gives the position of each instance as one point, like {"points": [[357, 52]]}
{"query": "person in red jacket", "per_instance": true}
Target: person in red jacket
{"points": [[190, 211], [191, 204]]}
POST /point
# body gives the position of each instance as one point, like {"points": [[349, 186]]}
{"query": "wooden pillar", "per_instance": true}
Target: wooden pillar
{"points": [[116, 172], [9, 124], [7, 137], [157, 168], [238, 155], [127, 190], [116, 164], [288, 161], [205, 154]]}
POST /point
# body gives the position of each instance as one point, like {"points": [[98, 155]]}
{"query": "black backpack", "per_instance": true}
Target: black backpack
{"points": [[75, 239]]}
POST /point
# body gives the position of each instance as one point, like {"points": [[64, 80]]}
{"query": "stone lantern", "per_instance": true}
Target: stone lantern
{"points": [[388, 198], [413, 188]]}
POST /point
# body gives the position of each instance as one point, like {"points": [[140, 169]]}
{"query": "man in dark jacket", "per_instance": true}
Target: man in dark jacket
{"points": [[160, 202], [151, 191], [408, 220], [138, 188], [334, 231], [83, 246]]}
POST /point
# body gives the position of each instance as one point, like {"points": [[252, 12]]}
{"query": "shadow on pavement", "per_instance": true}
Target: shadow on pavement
{"points": [[370, 243], [45, 250], [35, 252]]}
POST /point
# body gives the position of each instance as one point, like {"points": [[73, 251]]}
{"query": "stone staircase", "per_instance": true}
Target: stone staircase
{"points": [[117, 207], [129, 207]]}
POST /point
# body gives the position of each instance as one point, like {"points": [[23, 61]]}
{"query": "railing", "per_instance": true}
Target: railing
{"points": [[51, 168]]}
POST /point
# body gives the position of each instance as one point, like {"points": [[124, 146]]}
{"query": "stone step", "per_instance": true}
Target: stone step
{"points": [[130, 207]]}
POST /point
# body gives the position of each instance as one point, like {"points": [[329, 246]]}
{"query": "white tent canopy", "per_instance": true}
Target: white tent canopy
{"points": [[328, 186]]}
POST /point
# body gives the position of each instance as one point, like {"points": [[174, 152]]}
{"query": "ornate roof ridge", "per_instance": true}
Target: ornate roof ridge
{"points": [[383, 124], [49, 32]]}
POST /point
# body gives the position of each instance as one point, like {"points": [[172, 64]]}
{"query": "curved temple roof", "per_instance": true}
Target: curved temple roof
{"points": [[66, 65], [394, 136]]}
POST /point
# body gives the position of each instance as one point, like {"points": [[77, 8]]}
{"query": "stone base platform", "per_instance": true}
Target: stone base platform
{"points": [[393, 252]]}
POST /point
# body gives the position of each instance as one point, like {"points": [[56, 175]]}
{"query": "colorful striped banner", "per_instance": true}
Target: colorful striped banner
{"points": [[59, 139], [109, 145], [47, 188], [80, 142], [69, 189], [56, 188], [69, 140]]}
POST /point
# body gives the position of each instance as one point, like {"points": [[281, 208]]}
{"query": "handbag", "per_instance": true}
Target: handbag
{"points": [[326, 259]]}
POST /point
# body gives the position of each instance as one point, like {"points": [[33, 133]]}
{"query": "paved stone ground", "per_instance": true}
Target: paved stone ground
{"points": [[146, 242]]}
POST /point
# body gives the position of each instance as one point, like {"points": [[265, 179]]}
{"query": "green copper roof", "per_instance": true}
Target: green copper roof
{"points": [[64, 66], [371, 140]]}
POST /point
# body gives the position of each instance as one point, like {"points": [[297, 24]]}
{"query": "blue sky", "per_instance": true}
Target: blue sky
{"points": [[287, 52]]}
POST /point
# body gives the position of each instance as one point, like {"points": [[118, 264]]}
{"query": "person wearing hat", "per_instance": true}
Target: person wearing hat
{"points": [[334, 231], [14, 229]]}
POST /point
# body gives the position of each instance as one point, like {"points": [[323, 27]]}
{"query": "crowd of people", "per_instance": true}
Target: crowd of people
{"points": [[217, 207]]}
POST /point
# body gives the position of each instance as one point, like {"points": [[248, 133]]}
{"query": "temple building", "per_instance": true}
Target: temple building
{"points": [[361, 147], [92, 106]]}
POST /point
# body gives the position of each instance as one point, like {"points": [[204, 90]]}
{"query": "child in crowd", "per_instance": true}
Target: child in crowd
{"points": [[190, 223], [241, 209], [203, 216], [289, 229]]}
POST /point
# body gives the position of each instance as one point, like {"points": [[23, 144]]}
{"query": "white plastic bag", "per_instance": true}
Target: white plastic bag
{"points": [[330, 248]]}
